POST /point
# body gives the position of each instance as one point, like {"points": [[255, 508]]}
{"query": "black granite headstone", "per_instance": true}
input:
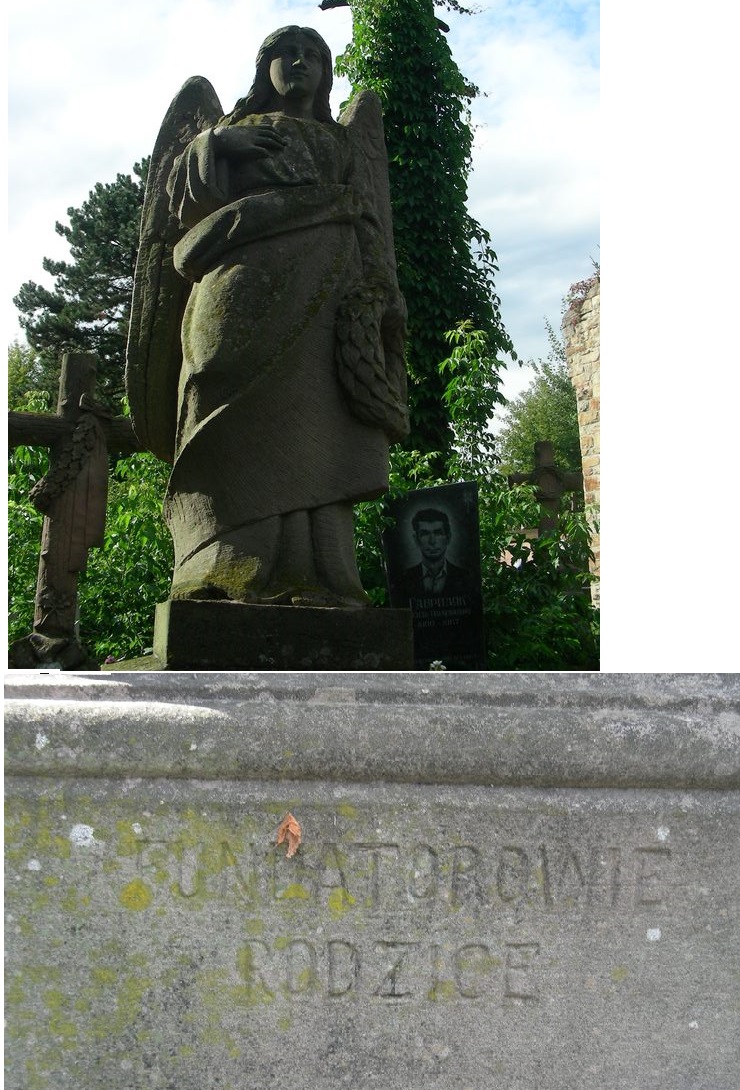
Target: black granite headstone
{"points": [[433, 563]]}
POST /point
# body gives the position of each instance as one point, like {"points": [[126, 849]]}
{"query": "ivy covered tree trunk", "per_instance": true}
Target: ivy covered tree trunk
{"points": [[446, 265], [88, 308]]}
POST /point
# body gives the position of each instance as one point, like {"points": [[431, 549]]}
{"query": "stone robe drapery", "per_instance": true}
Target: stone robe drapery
{"points": [[264, 427]]}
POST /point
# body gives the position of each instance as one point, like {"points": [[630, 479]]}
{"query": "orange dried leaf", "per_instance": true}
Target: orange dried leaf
{"points": [[289, 831]]}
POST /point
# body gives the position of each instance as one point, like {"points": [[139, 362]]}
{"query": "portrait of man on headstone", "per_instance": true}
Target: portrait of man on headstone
{"points": [[435, 573]]}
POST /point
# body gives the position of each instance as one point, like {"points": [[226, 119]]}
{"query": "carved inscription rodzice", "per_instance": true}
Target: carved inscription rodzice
{"points": [[389, 969]]}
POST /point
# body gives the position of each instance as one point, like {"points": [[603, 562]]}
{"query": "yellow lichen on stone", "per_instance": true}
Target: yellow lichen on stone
{"points": [[281, 807], [340, 900], [128, 992], [253, 992], [346, 810], [105, 976], [294, 892], [72, 902], [136, 895], [55, 1001], [128, 840], [442, 989]]}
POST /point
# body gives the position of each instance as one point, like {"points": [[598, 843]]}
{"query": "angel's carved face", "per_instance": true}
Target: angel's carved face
{"points": [[296, 68]]}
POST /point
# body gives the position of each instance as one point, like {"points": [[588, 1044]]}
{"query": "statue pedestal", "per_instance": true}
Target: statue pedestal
{"points": [[193, 635], [504, 880]]}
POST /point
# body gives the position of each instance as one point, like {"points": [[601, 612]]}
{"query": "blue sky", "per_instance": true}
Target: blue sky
{"points": [[90, 81]]}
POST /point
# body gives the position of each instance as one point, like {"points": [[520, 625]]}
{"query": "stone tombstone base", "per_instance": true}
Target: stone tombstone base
{"points": [[503, 882], [193, 635]]}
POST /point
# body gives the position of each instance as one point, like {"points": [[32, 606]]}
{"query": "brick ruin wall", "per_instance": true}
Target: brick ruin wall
{"points": [[582, 350]]}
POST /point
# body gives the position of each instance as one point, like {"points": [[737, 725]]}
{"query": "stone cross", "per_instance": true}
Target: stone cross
{"points": [[550, 482], [72, 497]]}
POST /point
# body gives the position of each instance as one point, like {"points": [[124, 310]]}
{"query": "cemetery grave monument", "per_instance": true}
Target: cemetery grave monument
{"points": [[265, 362]]}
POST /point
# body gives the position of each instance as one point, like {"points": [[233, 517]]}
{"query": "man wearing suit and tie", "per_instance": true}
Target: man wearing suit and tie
{"points": [[435, 575]]}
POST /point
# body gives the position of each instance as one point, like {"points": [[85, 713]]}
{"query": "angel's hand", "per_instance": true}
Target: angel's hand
{"points": [[248, 141]]}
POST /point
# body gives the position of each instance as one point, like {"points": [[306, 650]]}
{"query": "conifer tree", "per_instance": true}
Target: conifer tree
{"points": [[88, 308]]}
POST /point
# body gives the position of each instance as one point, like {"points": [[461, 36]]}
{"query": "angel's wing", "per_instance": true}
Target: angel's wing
{"points": [[371, 322], [363, 116], [153, 352]]}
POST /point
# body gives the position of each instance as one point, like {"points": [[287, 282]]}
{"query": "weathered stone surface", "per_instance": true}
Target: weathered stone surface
{"points": [[525, 883], [192, 635]]}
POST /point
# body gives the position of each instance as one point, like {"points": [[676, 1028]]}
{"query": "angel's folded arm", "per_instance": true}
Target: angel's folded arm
{"points": [[197, 184]]}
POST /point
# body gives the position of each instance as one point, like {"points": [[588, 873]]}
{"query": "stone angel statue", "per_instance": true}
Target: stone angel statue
{"points": [[265, 354]]}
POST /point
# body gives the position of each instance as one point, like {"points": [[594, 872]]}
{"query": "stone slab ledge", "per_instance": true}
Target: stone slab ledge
{"points": [[626, 731]]}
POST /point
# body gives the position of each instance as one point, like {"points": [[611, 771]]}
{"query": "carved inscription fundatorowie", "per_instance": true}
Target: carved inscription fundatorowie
{"points": [[394, 877]]}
